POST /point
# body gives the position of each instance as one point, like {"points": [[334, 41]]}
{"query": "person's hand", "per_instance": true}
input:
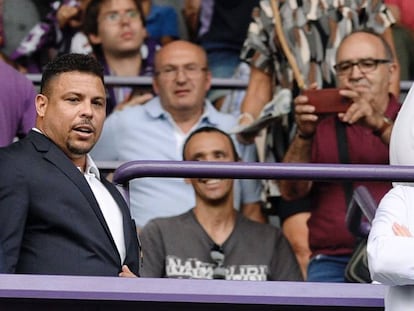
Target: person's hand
{"points": [[245, 119], [68, 15], [400, 230], [126, 273], [305, 117], [134, 101], [362, 110]]}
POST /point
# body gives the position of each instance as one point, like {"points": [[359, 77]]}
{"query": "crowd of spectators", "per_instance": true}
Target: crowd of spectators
{"points": [[182, 45]]}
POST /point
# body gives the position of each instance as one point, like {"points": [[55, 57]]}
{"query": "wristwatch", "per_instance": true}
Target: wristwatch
{"points": [[387, 122]]}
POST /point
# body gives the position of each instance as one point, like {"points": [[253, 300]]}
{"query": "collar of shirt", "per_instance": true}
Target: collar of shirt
{"points": [[91, 168], [155, 110]]}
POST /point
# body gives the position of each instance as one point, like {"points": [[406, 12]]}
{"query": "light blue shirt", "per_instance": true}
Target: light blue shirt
{"points": [[148, 132]]}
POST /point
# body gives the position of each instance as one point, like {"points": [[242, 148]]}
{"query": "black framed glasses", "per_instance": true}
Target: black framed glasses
{"points": [[365, 65], [217, 255]]}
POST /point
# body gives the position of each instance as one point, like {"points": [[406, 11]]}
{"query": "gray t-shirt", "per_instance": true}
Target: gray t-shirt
{"points": [[178, 247]]}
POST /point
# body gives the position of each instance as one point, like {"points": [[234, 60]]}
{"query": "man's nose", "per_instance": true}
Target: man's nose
{"points": [[86, 108], [355, 71], [181, 75], [124, 18]]}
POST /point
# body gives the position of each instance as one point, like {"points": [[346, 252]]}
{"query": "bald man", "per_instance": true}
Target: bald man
{"points": [[157, 130]]}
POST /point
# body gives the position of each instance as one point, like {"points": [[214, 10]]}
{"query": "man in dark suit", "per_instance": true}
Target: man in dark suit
{"points": [[57, 215]]}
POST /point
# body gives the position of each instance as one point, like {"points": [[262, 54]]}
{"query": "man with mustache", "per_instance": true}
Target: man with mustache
{"points": [[213, 240], [365, 69], [311, 32], [57, 215]]}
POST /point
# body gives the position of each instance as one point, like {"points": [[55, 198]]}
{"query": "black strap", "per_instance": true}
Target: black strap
{"points": [[343, 155]]}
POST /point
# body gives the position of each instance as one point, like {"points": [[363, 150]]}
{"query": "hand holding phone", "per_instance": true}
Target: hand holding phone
{"points": [[327, 100]]}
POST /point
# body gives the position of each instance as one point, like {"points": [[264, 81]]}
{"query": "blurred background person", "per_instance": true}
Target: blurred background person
{"points": [[220, 27], [16, 20], [59, 32], [161, 22], [116, 31], [158, 129]]}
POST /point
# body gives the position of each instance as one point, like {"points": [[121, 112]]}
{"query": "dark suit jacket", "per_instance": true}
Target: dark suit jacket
{"points": [[2, 261], [50, 221]]}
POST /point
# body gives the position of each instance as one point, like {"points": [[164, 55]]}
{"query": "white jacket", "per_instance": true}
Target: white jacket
{"points": [[391, 257]]}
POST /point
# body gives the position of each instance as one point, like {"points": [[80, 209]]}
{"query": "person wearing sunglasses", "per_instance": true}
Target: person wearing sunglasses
{"points": [[213, 240]]}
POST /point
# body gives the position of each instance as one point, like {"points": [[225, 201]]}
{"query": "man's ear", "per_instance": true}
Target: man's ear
{"points": [[41, 104], [208, 80]]}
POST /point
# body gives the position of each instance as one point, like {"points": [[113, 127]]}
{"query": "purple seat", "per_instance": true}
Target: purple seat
{"points": [[362, 204]]}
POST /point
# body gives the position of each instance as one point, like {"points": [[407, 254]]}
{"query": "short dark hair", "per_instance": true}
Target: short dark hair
{"points": [[90, 20], [210, 129], [68, 63]]}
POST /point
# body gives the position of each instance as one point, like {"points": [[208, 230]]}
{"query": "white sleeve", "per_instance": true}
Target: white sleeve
{"points": [[391, 257]]}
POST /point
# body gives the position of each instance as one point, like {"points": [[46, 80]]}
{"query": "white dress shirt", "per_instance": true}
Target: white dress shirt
{"points": [[108, 206]]}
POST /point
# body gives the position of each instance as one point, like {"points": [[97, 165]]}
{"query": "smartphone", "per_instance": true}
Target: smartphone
{"points": [[327, 100]]}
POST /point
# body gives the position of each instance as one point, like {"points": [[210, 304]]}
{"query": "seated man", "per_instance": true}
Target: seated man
{"points": [[213, 240], [157, 130], [365, 69], [116, 31]]}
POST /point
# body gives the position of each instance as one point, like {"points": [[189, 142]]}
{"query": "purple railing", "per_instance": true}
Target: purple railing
{"points": [[47, 292], [23, 292], [254, 170]]}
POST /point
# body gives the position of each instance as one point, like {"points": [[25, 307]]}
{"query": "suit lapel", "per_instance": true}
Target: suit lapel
{"points": [[56, 156]]}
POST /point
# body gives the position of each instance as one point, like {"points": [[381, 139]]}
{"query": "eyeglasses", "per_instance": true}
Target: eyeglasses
{"points": [[116, 17], [217, 255], [191, 71], [365, 65]]}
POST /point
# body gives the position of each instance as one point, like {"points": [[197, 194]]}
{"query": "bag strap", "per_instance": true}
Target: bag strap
{"points": [[343, 156]]}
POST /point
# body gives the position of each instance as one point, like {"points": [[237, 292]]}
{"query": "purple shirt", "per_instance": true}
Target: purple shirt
{"points": [[17, 104]]}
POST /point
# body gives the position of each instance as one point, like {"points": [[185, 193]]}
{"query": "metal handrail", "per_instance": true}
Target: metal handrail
{"points": [[255, 170], [216, 83]]}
